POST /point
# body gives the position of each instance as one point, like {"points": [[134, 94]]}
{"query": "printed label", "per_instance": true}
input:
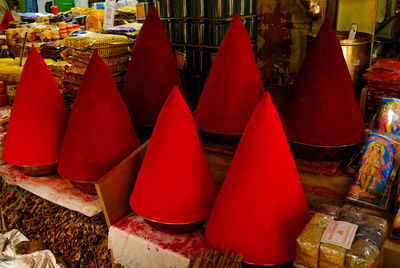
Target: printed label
{"points": [[340, 233]]}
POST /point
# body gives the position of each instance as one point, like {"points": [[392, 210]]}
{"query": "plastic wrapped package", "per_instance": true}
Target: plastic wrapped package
{"points": [[116, 69], [351, 217], [88, 40], [331, 256], [371, 234], [375, 222], [330, 210], [103, 52], [308, 243], [94, 21], [356, 240], [5, 112], [123, 30], [363, 254], [109, 61]]}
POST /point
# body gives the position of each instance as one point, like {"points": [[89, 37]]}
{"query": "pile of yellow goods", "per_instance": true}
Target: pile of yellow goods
{"points": [[10, 72], [125, 15], [114, 49]]}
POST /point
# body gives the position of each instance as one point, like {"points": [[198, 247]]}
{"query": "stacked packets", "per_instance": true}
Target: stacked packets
{"points": [[383, 80], [114, 49]]}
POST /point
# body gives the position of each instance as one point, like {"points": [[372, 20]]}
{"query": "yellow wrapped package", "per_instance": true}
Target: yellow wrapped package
{"points": [[353, 240], [94, 21], [103, 52], [109, 61], [114, 70], [89, 40], [331, 256], [308, 242], [363, 254]]}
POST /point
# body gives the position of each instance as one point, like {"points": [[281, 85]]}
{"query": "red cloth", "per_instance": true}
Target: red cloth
{"points": [[261, 208], [152, 72], [322, 108], [5, 23], [99, 133], [175, 184], [38, 117], [233, 87]]}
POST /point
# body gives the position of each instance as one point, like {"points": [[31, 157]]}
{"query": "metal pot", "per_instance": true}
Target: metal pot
{"points": [[85, 187], [172, 228], [356, 52], [385, 48], [38, 171]]}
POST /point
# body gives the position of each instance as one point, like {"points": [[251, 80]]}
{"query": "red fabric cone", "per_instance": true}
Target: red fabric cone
{"points": [[5, 23], [233, 87], [175, 184], [261, 207], [38, 117], [99, 133], [151, 74], [323, 109]]}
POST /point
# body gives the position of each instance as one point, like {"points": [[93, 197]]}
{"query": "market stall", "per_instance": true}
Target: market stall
{"points": [[153, 135]]}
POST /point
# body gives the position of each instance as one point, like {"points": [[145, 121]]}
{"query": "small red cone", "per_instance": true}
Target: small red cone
{"points": [[151, 74], [99, 133], [233, 87], [5, 23], [38, 117], [261, 208], [175, 184], [323, 109]]}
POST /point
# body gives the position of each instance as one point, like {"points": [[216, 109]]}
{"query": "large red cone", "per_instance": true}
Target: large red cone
{"points": [[38, 117], [151, 74], [175, 184], [233, 87], [323, 109], [5, 23], [261, 207], [99, 133]]}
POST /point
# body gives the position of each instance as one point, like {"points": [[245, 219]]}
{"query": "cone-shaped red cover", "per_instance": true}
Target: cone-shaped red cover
{"points": [[261, 207], [175, 184], [233, 87], [38, 117], [99, 133], [151, 74], [323, 109], [5, 23]]}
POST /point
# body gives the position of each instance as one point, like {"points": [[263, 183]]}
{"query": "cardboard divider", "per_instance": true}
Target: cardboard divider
{"points": [[115, 188]]}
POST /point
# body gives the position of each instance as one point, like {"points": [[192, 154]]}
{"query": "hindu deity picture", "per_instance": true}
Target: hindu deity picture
{"points": [[374, 174], [388, 120]]}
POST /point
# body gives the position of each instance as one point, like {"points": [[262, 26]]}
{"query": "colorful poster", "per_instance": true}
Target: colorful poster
{"points": [[388, 118], [375, 173]]}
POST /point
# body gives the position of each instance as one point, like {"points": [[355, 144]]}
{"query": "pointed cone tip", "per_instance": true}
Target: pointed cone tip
{"points": [[152, 13]]}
